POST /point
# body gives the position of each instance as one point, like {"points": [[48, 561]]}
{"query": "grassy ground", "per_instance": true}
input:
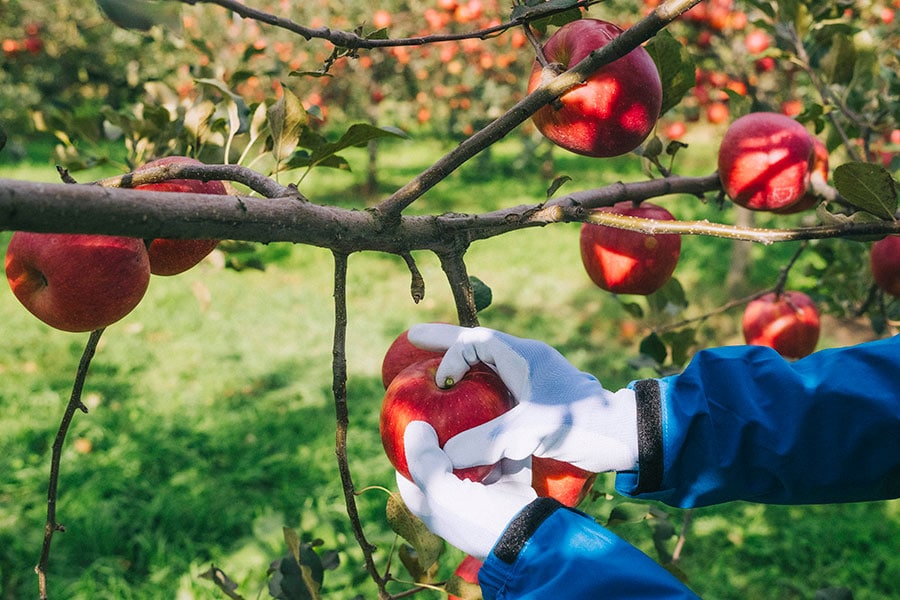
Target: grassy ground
{"points": [[211, 421]]}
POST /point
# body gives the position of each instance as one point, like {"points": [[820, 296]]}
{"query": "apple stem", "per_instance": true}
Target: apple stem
{"points": [[782, 277], [74, 404], [536, 44]]}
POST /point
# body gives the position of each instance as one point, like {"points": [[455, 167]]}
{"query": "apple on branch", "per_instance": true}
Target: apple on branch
{"points": [[170, 256], [787, 322], [765, 161], [630, 262], [76, 282], [614, 110], [884, 259]]}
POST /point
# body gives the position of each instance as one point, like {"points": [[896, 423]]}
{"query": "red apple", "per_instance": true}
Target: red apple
{"points": [[819, 171], [629, 262], [560, 480], [413, 395], [615, 109], [757, 41], [789, 323], [468, 572], [400, 354], [77, 282], [169, 256], [765, 161], [885, 260]]}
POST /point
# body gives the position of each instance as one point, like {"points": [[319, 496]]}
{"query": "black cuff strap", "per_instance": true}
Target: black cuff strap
{"points": [[650, 443], [522, 527]]}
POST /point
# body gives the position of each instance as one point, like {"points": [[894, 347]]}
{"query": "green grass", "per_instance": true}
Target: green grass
{"points": [[211, 422]]}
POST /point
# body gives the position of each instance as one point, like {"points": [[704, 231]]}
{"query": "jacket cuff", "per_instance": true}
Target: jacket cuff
{"points": [[650, 440], [522, 527]]}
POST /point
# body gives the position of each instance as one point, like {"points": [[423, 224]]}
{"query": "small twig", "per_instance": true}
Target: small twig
{"points": [[75, 403], [782, 277], [342, 414], [417, 282], [682, 537], [252, 179]]}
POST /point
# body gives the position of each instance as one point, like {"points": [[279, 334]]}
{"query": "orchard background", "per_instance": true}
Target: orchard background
{"points": [[211, 422]]}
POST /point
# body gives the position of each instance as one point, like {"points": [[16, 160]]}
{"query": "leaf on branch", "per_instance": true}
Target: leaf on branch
{"points": [[481, 293], [867, 187], [408, 526], [324, 153], [564, 11], [142, 14], [287, 119], [676, 68], [627, 512], [654, 347], [238, 110], [557, 183], [299, 575], [222, 581]]}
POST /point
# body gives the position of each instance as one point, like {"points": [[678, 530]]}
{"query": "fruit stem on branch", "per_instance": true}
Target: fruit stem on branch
{"points": [[463, 295], [75, 403]]}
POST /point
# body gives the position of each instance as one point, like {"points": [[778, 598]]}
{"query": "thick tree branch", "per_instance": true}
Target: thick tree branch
{"points": [[68, 208]]}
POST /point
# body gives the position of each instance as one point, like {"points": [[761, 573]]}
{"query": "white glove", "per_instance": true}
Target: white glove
{"points": [[471, 516], [561, 412]]}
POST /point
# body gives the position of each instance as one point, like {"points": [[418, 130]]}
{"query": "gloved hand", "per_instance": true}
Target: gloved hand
{"points": [[561, 412], [471, 516]]}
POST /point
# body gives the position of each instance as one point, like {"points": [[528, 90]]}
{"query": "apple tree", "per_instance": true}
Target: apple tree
{"points": [[461, 68]]}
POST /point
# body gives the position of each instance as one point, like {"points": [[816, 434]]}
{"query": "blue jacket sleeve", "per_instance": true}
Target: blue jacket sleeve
{"points": [[551, 551], [741, 423]]}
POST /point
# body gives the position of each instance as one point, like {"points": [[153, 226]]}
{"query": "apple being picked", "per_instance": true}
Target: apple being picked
{"points": [[614, 110], [884, 258], [170, 256], [400, 354], [765, 161], [630, 262], [788, 322], [77, 282], [413, 395], [567, 483]]}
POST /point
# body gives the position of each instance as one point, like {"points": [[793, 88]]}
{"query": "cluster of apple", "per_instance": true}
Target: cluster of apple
{"points": [[83, 282], [32, 43], [767, 161]]}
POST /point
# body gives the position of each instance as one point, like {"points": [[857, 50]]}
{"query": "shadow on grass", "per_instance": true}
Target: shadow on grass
{"points": [[161, 493]]}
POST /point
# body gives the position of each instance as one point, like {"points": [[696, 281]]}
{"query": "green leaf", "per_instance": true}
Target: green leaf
{"points": [[557, 183], [359, 134], [142, 14], [867, 187], [680, 342], [676, 68], [654, 347], [634, 309], [482, 293], [428, 546], [238, 110], [531, 11], [287, 119]]}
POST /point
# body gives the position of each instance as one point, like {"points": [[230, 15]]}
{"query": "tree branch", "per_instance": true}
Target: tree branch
{"points": [[71, 208], [354, 41], [342, 416]]}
